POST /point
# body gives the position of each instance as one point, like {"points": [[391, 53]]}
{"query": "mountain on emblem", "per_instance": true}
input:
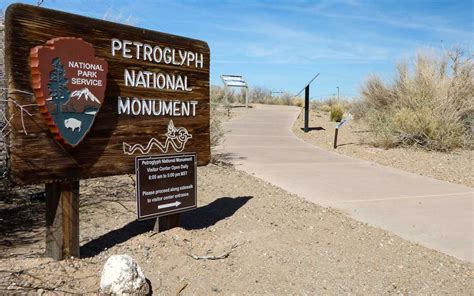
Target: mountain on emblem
{"points": [[87, 95], [83, 100], [69, 84]]}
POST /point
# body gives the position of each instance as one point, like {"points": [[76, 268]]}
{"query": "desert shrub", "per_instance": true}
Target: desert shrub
{"points": [[285, 99], [337, 111], [326, 104], [240, 96], [325, 108], [358, 108], [383, 127], [270, 101], [259, 95], [230, 96], [430, 105], [221, 95], [331, 101], [216, 93], [298, 102], [216, 130]]}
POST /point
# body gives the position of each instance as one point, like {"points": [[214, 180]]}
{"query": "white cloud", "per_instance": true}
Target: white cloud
{"points": [[269, 42]]}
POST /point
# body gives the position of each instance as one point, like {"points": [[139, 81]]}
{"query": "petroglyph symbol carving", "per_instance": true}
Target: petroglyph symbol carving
{"points": [[175, 138]]}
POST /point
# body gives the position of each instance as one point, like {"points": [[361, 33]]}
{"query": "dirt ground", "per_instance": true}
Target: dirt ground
{"points": [[278, 244], [354, 141]]}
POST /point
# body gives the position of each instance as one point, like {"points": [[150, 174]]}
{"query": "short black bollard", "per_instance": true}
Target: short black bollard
{"points": [[335, 137], [343, 121]]}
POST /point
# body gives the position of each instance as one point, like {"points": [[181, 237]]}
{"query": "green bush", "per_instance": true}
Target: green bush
{"points": [[337, 111], [430, 106]]}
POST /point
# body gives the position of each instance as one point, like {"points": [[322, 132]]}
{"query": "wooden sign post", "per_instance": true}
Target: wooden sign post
{"points": [[87, 96], [62, 220]]}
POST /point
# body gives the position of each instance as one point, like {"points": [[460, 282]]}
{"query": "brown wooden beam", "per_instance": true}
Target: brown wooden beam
{"points": [[62, 220], [166, 223], [70, 205], [54, 220]]}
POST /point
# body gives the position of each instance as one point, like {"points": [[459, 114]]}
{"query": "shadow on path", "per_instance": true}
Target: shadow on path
{"points": [[212, 213], [226, 158], [200, 218], [21, 225], [114, 237], [317, 128], [347, 144]]}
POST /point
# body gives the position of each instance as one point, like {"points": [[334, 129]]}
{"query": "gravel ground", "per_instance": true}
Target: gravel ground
{"points": [[279, 243], [354, 141]]}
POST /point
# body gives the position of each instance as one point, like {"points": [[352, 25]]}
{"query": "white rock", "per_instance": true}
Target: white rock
{"points": [[122, 276]]}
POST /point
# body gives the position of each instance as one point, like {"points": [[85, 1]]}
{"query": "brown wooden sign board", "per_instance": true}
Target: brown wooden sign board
{"points": [[165, 184], [156, 98]]}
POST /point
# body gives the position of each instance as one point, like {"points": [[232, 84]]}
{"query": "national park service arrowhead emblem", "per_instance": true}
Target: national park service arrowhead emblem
{"points": [[69, 84]]}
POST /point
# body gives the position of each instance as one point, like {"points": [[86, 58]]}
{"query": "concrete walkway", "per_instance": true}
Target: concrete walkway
{"points": [[436, 214]]}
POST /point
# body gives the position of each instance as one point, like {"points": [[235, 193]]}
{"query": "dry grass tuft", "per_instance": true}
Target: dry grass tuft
{"points": [[337, 111], [258, 95], [261, 95], [216, 129], [430, 105]]}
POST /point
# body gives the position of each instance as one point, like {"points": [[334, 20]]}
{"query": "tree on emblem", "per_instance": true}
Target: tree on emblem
{"points": [[57, 85]]}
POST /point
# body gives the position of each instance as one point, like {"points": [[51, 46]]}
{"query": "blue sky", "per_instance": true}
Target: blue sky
{"points": [[280, 45]]}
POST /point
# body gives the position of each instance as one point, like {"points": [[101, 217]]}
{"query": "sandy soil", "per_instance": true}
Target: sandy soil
{"points": [[354, 141], [281, 243]]}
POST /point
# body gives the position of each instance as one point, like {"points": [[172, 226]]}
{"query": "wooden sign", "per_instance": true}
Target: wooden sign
{"points": [[166, 184], [97, 94]]}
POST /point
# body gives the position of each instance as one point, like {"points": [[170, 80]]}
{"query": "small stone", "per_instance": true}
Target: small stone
{"points": [[122, 276]]}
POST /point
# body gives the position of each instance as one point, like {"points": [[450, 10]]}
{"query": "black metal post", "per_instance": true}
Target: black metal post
{"points": [[306, 109], [335, 137]]}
